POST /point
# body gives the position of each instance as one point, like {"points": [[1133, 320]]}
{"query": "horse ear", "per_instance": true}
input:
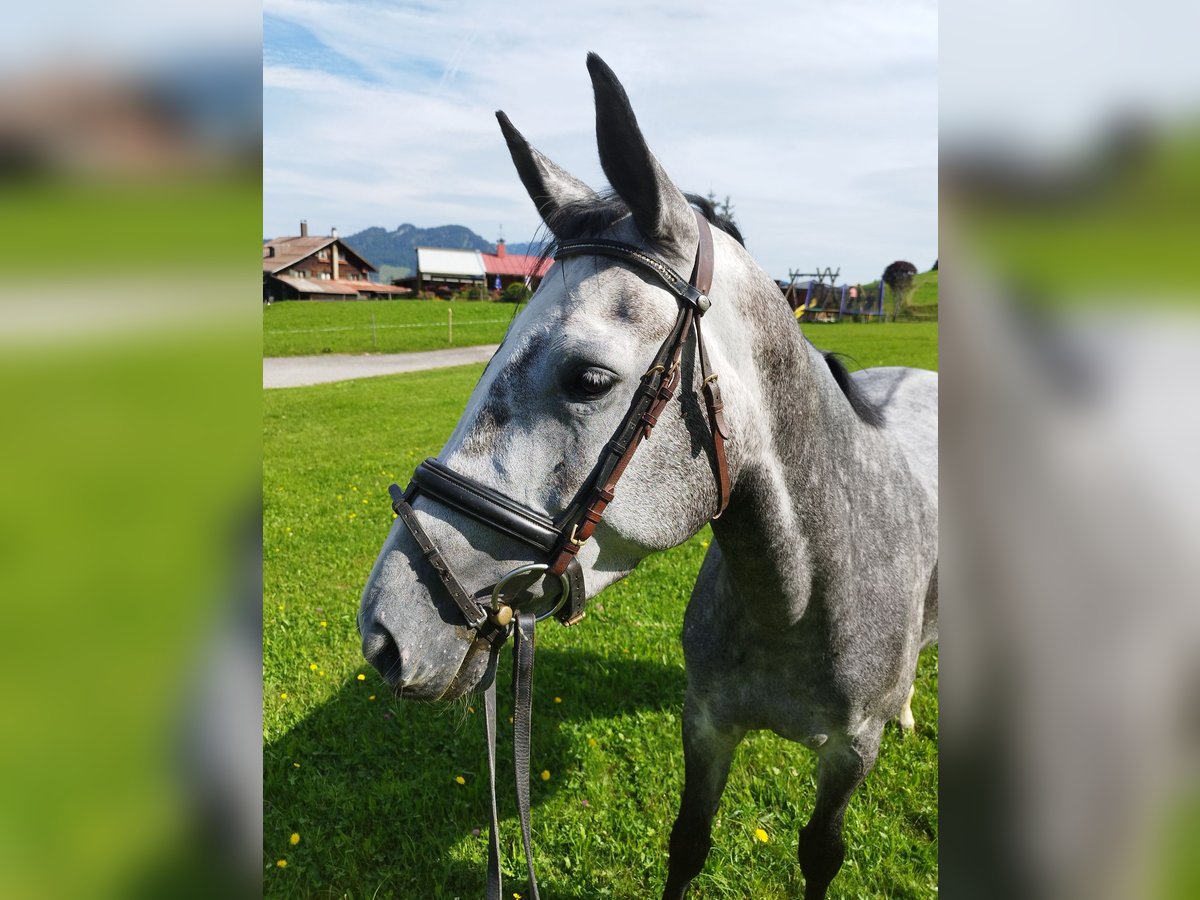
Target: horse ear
{"points": [[659, 208], [550, 187]]}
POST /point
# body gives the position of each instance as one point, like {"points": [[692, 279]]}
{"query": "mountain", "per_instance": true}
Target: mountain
{"points": [[391, 251]]}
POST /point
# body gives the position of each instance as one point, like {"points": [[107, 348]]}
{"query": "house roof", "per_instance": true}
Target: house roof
{"points": [[455, 263], [515, 265], [318, 286], [291, 250], [339, 288]]}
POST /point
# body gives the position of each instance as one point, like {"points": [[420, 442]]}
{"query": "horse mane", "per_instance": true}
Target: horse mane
{"points": [[867, 411]]}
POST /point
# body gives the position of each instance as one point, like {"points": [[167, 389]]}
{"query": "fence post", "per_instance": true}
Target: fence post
{"points": [[450, 325]]}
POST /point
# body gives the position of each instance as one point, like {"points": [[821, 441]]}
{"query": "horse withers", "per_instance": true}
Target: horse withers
{"points": [[820, 586]]}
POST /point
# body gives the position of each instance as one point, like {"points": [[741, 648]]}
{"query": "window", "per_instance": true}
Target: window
{"points": [[322, 255], [324, 276]]}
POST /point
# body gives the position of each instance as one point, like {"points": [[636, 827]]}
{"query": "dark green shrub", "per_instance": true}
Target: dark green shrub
{"points": [[515, 293]]}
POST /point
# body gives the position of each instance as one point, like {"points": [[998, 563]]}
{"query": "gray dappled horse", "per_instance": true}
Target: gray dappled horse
{"points": [[820, 587]]}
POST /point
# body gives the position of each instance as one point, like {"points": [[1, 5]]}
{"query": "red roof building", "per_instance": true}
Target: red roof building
{"points": [[506, 268]]}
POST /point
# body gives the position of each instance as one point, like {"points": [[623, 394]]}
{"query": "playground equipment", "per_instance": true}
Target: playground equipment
{"points": [[823, 300]]}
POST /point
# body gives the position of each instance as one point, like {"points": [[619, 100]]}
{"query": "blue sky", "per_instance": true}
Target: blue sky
{"points": [[819, 120]]}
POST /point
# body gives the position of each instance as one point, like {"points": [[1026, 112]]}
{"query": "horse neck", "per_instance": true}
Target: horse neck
{"points": [[802, 453]]}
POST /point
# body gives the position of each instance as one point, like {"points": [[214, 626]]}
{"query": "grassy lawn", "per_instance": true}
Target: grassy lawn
{"points": [[309, 328], [399, 326], [922, 305], [879, 343], [368, 783]]}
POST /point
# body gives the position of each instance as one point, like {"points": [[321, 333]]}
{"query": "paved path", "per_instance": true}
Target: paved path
{"points": [[295, 371]]}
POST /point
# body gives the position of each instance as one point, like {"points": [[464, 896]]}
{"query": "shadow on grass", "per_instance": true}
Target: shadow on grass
{"points": [[370, 785]]}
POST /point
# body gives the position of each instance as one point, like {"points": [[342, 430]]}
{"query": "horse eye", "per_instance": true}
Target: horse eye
{"points": [[592, 383]]}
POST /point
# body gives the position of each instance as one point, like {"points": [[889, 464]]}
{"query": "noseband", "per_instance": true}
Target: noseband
{"points": [[558, 540]]}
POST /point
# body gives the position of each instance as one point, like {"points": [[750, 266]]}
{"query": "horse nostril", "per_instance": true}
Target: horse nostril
{"points": [[380, 650]]}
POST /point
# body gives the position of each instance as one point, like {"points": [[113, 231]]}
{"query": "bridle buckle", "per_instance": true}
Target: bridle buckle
{"points": [[573, 539]]}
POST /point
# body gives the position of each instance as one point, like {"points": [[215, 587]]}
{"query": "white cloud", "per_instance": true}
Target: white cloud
{"points": [[819, 120]]}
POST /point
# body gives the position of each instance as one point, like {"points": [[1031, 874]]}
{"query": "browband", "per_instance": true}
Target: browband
{"points": [[677, 284]]}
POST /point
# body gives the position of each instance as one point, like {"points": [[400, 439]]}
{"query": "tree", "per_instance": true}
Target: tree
{"points": [[724, 209], [515, 293], [899, 277]]}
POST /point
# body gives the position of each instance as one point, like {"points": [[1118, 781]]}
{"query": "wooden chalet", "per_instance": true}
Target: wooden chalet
{"points": [[301, 267]]}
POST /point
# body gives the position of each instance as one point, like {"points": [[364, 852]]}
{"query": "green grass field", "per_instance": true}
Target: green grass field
{"points": [[922, 305], [384, 326], [400, 326], [369, 783]]}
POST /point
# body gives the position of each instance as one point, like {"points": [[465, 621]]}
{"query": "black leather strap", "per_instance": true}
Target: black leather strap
{"points": [[676, 283], [475, 613], [523, 647], [485, 505], [494, 885]]}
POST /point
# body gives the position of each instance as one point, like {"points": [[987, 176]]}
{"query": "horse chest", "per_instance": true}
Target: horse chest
{"points": [[760, 678]]}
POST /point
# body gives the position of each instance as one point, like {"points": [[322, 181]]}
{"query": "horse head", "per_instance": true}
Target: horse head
{"points": [[544, 413]]}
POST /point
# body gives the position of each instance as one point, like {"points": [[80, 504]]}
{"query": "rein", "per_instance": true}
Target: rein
{"points": [[560, 539]]}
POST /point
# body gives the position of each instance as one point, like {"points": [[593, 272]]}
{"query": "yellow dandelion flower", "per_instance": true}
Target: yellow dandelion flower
{"points": [[362, 677], [312, 667], [281, 863], [324, 624], [294, 839], [283, 696], [558, 699], [366, 500], [760, 835], [372, 697], [322, 673], [592, 742], [296, 764], [545, 774], [460, 779]]}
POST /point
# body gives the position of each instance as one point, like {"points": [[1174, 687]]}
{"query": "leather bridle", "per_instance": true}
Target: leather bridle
{"points": [[559, 539]]}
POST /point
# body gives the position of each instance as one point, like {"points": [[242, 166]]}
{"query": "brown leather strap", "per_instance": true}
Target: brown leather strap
{"points": [[702, 274], [665, 375], [702, 278], [716, 423], [656, 390]]}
